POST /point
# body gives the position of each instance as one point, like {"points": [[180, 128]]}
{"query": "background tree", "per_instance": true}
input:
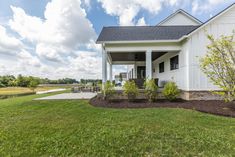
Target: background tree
{"points": [[22, 81], [219, 65], [33, 83]]}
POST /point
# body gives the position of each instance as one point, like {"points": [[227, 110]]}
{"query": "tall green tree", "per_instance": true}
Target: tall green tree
{"points": [[219, 65]]}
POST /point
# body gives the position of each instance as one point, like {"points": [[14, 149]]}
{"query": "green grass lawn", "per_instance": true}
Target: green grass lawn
{"points": [[74, 128]]}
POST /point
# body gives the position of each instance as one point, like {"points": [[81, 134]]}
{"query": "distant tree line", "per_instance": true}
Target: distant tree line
{"points": [[30, 81], [59, 81], [95, 81]]}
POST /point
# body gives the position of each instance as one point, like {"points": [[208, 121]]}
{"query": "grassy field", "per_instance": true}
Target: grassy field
{"points": [[74, 128], [20, 90]]}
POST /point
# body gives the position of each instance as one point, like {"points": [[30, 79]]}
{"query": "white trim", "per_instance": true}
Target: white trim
{"points": [[104, 65], [157, 48], [109, 58], [183, 12], [149, 64], [124, 62], [110, 72]]}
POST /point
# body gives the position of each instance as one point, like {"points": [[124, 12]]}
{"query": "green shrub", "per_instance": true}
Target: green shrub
{"points": [[150, 89], [108, 90], [171, 91], [130, 90]]}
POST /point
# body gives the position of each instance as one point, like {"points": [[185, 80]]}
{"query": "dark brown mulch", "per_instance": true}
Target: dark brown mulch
{"points": [[208, 106]]}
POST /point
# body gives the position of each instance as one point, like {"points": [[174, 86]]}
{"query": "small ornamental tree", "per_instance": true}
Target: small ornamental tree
{"points": [[108, 90], [130, 90], [150, 89], [219, 65]]}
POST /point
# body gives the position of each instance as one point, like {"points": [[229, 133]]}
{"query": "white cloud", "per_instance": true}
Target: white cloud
{"points": [[88, 64], [27, 59], [206, 6], [127, 10], [87, 3], [64, 29], [141, 22], [12, 46], [50, 46], [9, 45]]}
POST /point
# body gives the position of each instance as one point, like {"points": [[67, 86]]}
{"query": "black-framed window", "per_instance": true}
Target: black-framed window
{"points": [[174, 62], [161, 67]]}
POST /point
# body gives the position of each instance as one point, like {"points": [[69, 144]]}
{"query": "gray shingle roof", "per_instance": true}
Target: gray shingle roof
{"points": [[141, 33]]}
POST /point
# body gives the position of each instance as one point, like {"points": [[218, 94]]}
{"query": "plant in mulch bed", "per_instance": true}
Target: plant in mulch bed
{"points": [[130, 90], [150, 89], [108, 90], [171, 91], [219, 65]]}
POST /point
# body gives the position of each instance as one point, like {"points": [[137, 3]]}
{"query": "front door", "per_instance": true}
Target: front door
{"points": [[141, 72]]}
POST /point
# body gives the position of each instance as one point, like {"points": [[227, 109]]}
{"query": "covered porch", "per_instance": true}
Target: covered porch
{"points": [[139, 57]]}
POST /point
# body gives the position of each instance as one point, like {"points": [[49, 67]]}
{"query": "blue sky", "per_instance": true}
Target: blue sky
{"points": [[56, 38]]}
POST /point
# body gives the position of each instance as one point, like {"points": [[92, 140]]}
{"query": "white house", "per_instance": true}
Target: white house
{"points": [[169, 51]]}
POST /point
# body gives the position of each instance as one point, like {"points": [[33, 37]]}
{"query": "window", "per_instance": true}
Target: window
{"points": [[174, 61], [161, 67]]}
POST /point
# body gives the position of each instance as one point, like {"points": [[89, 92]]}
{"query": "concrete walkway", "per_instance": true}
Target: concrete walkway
{"points": [[70, 96], [51, 91]]}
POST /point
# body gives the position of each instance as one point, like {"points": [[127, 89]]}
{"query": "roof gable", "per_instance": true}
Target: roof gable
{"points": [[180, 17]]}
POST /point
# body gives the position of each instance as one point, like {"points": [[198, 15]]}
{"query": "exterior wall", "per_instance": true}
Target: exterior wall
{"points": [[189, 78], [179, 19], [178, 75], [197, 43]]}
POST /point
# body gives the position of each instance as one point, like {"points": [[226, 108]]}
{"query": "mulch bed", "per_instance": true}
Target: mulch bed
{"points": [[209, 106]]}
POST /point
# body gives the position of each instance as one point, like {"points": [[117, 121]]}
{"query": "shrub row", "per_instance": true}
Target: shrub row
{"points": [[170, 91]]}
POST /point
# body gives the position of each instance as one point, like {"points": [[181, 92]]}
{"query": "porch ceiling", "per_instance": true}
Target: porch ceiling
{"points": [[134, 56]]}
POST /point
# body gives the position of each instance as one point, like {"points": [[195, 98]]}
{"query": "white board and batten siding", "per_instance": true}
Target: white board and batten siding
{"points": [[189, 77], [180, 76], [197, 44]]}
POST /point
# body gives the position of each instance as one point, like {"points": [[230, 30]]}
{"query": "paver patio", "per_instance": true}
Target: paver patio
{"points": [[66, 96]]}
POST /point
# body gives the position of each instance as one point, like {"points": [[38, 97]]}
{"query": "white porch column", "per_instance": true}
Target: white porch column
{"points": [[149, 71], [110, 72], [104, 65], [135, 71]]}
